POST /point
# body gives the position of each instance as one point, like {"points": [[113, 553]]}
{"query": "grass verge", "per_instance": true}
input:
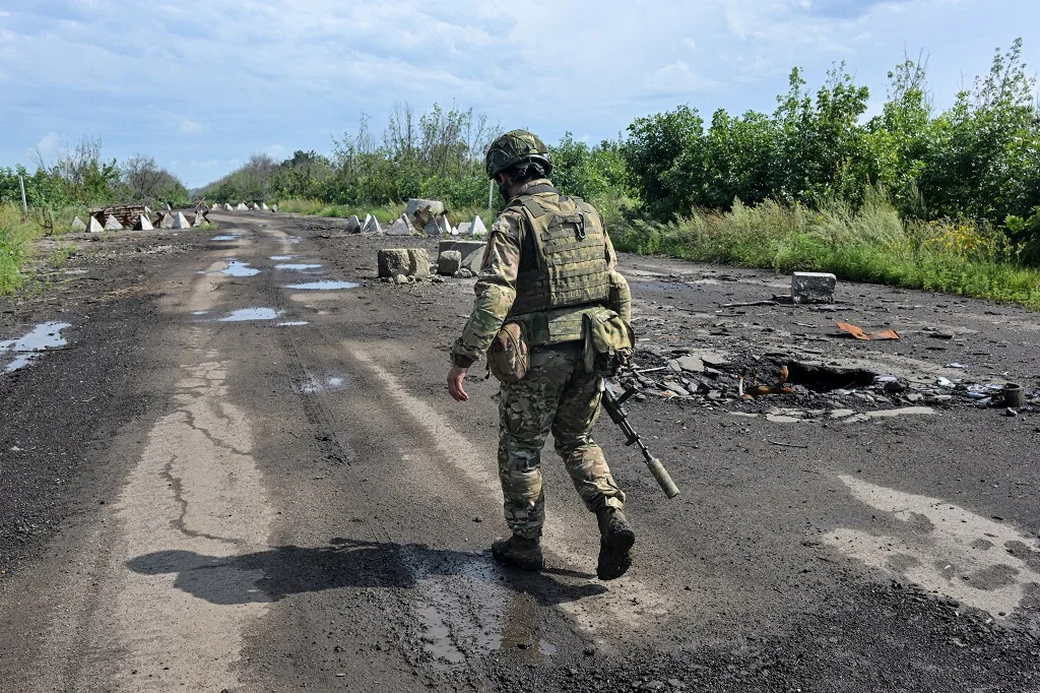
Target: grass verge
{"points": [[16, 236], [872, 244]]}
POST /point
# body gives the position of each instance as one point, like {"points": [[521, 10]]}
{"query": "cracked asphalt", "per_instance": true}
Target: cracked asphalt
{"points": [[223, 482]]}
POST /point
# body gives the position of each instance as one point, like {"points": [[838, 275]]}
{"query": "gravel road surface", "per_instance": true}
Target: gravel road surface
{"points": [[226, 474]]}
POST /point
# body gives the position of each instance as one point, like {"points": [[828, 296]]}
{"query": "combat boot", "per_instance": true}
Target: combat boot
{"points": [[616, 538], [519, 552]]}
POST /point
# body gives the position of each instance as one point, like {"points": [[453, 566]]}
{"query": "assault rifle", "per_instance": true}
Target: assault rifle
{"points": [[613, 405]]}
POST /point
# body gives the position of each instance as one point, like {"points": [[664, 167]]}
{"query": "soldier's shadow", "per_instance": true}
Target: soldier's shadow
{"points": [[280, 571]]}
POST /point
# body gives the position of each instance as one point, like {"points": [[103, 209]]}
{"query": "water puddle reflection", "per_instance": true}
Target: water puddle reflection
{"points": [[225, 237], [325, 285], [283, 258], [297, 267], [237, 268], [44, 336], [293, 323], [246, 314]]}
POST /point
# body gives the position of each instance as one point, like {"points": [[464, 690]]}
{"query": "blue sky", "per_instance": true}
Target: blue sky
{"points": [[202, 85]]}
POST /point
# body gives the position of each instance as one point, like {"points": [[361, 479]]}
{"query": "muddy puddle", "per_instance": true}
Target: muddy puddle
{"points": [[225, 237], [25, 349], [297, 266], [283, 258], [293, 323], [237, 268], [325, 285], [247, 314]]}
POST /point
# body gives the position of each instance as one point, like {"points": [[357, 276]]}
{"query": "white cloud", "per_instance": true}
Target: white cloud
{"points": [[190, 127], [47, 147]]}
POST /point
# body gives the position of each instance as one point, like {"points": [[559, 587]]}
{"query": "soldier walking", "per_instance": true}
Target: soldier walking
{"points": [[548, 274]]}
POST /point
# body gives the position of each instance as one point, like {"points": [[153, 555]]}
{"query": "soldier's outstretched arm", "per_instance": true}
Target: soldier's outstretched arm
{"points": [[495, 291]]}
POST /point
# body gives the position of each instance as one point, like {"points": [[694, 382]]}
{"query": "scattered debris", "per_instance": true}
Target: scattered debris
{"points": [[813, 287], [857, 333]]}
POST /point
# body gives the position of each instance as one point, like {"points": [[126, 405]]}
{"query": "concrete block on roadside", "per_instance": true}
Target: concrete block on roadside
{"points": [[418, 263], [77, 226], [274, 208], [144, 223], [401, 227], [180, 221], [477, 228], [438, 226], [813, 287], [353, 224], [215, 205], [112, 224], [241, 207], [199, 220], [94, 226], [464, 229], [393, 261], [371, 225], [264, 207], [449, 262], [472, 252], [228, 207]]}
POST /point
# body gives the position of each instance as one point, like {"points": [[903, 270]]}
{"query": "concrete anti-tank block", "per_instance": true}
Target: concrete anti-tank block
{"points": [[449, 262], [77, 226], [813, 287], [353, 224], [393, 261], [180, 221], [371, 225], [472, 252], [144, 223], [401, 227], [418, 263], [94, 226], [478, 228]]}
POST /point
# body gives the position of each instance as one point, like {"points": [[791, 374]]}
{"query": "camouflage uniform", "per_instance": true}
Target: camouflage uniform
{"points": [[557, 395]]}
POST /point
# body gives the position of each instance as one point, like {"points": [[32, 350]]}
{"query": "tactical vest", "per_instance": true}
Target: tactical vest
{"points": [[563, 267]]}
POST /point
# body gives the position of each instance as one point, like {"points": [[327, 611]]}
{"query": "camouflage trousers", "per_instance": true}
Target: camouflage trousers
{"points": [[556, 396]]}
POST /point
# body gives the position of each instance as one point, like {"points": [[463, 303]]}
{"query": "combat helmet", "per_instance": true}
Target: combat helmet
{"points": [[515, 147]]}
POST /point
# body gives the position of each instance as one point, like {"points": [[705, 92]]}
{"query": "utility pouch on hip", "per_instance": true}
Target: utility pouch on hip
{"points": [[608, 340], [507, 357]]}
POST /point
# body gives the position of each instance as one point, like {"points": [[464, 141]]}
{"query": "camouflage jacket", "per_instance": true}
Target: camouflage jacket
{"points": [[496, 284]]}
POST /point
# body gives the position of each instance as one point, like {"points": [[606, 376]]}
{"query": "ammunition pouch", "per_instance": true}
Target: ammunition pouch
{"points": [[608, 342], [507, 358]]}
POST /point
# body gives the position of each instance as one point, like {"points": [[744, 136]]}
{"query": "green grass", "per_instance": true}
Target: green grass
{"points": [[386, 214], [871, 245], [16, 237]]}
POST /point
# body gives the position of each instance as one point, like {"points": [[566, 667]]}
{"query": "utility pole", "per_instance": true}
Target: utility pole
{"points": [[491, 194], [25, 206]]}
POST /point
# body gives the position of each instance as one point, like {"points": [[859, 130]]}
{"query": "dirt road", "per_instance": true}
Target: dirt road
{"points": [[234, 476]]}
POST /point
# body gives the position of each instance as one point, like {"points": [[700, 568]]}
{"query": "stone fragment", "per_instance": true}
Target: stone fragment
{"points": [[813, 287], [472, 252], [418, 263], [392, 262], [371, 225], [477, 228], [353, 224], [400, 227], [94, 226], [144, 223], [449, 262], [78, 226], [180, 222], [690, 363], [112, 224]]}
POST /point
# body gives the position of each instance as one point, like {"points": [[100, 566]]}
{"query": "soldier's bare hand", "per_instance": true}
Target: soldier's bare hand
{"points": [[456, 378]]}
